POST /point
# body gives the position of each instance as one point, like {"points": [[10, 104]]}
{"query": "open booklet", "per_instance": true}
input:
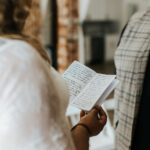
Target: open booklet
{"points": [[88, 88]]}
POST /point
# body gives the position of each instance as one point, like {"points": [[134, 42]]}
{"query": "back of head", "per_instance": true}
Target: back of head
{"points": [[19, 20]]}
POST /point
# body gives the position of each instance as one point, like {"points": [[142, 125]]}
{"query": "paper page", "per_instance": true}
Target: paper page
{"points": [[92, 92], [112, 86], [77, 76]]}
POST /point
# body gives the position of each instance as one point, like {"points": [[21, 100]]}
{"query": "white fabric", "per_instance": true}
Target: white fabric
{"points": [[83, 9], [33, 100], [46, 22]]}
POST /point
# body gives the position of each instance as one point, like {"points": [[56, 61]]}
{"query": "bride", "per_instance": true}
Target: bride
{"points": [[33, 96]]}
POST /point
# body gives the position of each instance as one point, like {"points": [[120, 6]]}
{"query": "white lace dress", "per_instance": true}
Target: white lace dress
{"points": [[33, 100]]}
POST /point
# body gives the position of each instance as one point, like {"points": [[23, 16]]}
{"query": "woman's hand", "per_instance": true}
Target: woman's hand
{"points": [[95, 120], [89, 125]]}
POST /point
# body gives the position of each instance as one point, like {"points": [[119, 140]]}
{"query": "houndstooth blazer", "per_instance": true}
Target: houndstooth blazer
{"points": [[131, 60]]}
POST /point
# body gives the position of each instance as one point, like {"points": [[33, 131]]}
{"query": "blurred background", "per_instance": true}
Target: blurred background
{"points": [[88, 31]]}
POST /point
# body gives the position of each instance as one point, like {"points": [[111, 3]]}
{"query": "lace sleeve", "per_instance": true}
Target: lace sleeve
{"points": [[30, 108]]}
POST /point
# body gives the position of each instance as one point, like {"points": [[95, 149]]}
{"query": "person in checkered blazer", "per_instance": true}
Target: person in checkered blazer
{"points": [[131, 60]]}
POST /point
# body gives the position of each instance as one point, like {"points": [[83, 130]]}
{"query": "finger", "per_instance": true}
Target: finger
{"points": [[82, 114], [100, 110], [103, 120], [94, 111], [103, 116]]}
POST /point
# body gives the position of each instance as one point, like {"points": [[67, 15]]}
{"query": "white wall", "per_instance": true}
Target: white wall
{"points": [[110, 9], [97, 10], [104, 9], [142, 4]]}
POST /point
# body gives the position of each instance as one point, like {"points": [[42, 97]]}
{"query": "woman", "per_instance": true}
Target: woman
{"points": [[33, 96]]}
